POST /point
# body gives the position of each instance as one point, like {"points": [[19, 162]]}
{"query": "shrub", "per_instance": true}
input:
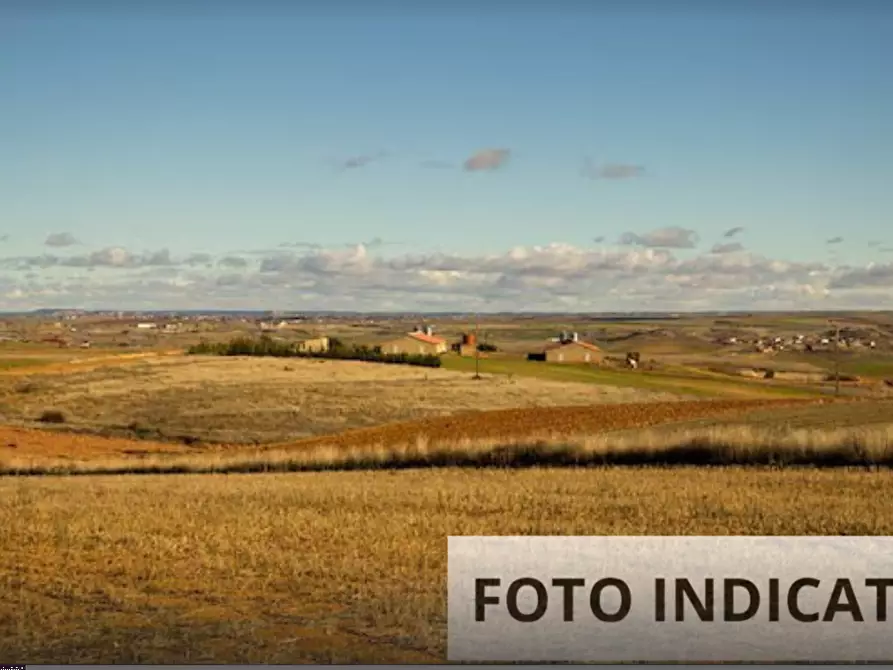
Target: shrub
{"points": [[841, 377], [27, 387], [52, 416], [141, 430]]}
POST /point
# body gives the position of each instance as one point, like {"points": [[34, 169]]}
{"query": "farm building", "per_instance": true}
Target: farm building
{"points": [[314, 344], [468, 346], [569, 349], [418, 342]]}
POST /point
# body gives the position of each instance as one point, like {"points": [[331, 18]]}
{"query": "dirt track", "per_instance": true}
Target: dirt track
{"points": [[28, 443]]}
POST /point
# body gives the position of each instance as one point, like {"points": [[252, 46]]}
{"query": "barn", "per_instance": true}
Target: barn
{"points": [[571, 350], [418, 342]]}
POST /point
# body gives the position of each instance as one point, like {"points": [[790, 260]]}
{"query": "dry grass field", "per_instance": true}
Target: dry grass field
{"points": [[257, 400], [338, 567], [337, 552]]}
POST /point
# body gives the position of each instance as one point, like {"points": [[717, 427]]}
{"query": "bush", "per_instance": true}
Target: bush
{"points": [[52, 416], [28, 387], [140, 430], [841, 377], [266, 346], [486, 346]]}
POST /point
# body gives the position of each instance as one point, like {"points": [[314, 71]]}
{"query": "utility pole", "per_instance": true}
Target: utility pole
{"points": [[477, 351], [836, 358]]}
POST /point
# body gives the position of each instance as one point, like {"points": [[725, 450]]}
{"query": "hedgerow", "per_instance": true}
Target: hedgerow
{"points": [[266, 346]]}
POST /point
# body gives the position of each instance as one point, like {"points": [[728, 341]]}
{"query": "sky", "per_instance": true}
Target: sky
{"points": [[567, 155]]}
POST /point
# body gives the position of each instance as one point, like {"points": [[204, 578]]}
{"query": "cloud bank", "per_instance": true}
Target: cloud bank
{"points": [[644, 274]]}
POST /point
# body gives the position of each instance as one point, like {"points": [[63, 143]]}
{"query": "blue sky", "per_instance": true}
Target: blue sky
{"points": [[232, 132]]}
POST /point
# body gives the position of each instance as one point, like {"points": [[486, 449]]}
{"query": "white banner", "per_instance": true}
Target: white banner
{"points": [[670, 599]]}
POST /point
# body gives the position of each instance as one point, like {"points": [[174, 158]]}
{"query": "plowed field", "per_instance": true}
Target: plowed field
{"points": [[31, 443], [492, 425], [541, 422]]}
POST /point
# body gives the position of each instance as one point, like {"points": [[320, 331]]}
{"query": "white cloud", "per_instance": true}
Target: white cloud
{"points": [[109, 257], [672, 237], [727, 248], [612, 170], [487, 159], [873, 275], [60, 240]]}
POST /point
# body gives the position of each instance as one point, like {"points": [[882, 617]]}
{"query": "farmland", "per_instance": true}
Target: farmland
{"points": [[29, 448], [690, 384], [261, 400], [338, 567], [363, 469]]}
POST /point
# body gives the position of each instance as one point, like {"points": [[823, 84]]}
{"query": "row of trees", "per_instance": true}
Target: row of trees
{"points": [[267, 346]]}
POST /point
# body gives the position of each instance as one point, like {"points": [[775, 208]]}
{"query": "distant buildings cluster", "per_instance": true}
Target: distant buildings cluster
{"points": [[801, 343]]}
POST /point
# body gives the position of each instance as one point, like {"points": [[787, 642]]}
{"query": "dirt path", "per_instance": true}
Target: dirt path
{"points": [[28, 443]]}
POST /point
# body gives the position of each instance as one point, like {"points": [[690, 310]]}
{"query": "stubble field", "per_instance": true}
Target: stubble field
{"points": [[339, 567]]}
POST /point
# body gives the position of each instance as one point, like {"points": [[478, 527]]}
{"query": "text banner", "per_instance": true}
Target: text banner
{"points": [[670, 599]]}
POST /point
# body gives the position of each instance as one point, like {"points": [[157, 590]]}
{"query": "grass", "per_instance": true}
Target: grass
{"points": [[687, 384], [879, 367], [721, 445], [17, 363], [72, 360], [339, 567], [257, 400]]}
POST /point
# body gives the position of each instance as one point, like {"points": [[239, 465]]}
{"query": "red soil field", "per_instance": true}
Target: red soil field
{"points": [[511, 424], [33, 443]]}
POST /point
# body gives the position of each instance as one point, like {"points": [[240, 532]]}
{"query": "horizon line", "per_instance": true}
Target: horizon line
{"points": [[297, 312]]}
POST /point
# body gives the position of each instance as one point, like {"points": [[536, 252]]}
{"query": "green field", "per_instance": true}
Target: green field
{"points": [[685, 384], [870, 365], [13, 363]]}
